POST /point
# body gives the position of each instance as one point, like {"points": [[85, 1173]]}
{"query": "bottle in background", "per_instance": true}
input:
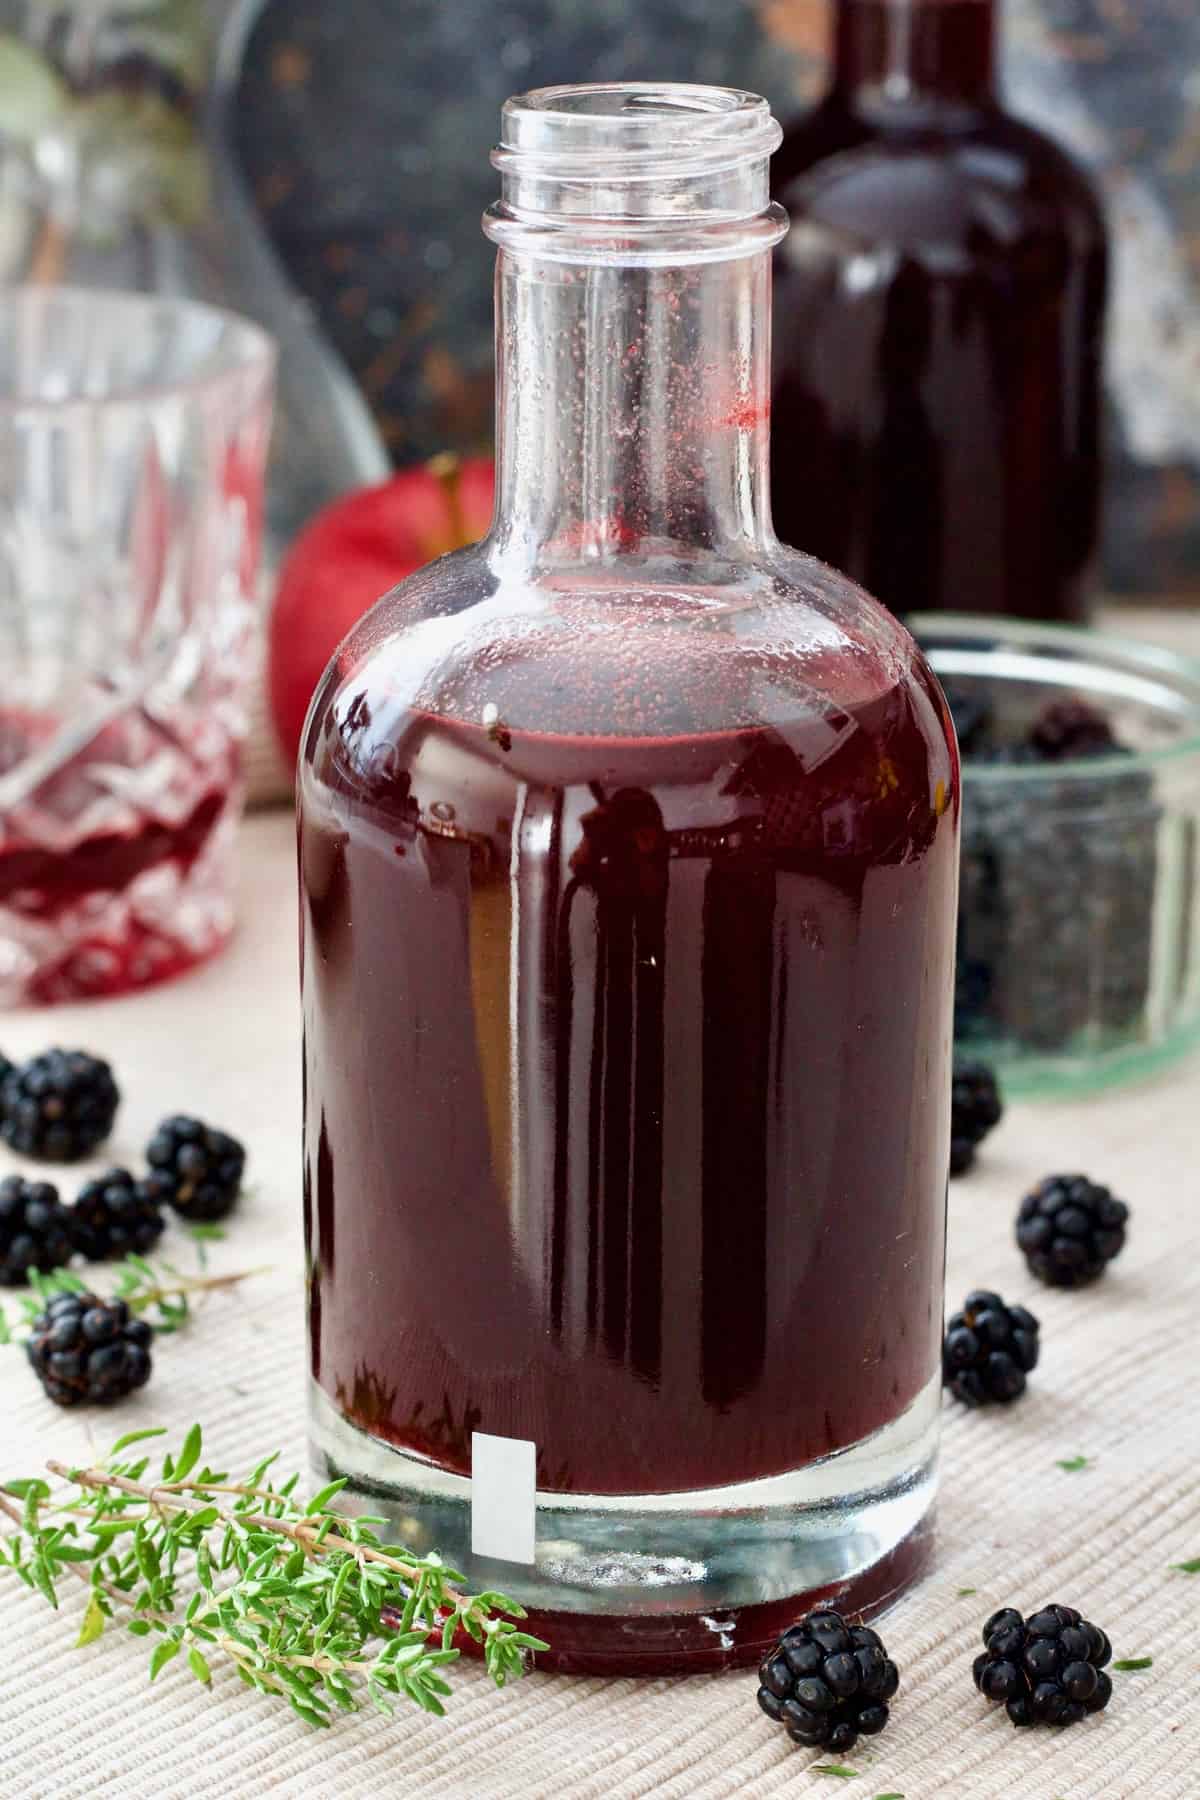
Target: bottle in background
{"points": [[939, 318]]}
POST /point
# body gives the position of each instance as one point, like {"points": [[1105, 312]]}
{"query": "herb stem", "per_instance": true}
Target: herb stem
{"points": [[324, 1665], [95, 1580], [11, 1512], [294, 1595], [214, 1487], [145, 1288], [191, 1284], [304, 1532]]}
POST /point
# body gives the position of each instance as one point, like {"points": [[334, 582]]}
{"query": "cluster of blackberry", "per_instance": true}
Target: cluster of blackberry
{"points": [[59, 1107], [989, 1349], [1069, 1229], [193, 1168], [975, 1109], [828, 1681], [35, 1229], [85, 1349], [1047, 1669]]}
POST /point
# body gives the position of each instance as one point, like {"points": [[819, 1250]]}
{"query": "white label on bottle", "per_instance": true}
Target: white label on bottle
{"points": [[503, 1497]]}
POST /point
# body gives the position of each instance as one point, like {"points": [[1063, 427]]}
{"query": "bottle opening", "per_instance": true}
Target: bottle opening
{"points": [[644, 130], [632, 154]]}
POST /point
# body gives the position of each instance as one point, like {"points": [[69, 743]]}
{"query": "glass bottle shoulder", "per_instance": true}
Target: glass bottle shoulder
{"points": [[647, 660], [971, 186]]}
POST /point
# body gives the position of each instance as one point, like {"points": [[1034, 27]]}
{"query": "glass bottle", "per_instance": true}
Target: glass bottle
{"points": [[939, 311], [628, 845]]}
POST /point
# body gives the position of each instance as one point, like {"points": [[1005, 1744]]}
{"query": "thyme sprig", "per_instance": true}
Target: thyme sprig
{"points": [[299, 1598], [162, 1292]]}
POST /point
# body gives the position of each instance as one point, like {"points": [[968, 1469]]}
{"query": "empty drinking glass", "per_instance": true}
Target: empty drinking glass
{"points": [[133, 433]]}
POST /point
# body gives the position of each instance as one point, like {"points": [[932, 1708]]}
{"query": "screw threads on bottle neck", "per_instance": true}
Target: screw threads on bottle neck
{"points": [[649, 174]]}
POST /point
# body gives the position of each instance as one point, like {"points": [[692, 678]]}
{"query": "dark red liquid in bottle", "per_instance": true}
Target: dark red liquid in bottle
{"points": [[939, 312], [587, 1135], [628, 864]]}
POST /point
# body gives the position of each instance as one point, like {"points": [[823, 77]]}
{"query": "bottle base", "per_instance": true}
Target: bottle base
{"points": [[662, 1584]]}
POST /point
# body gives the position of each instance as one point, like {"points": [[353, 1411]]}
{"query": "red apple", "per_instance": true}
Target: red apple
{"points": [[350, 554]]}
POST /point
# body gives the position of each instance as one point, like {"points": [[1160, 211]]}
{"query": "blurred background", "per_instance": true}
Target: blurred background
{"points": [[320, 166], [323, 167]]}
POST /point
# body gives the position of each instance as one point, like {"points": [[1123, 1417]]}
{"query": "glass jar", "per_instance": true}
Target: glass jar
{"points": [[1079, 905], [628, 845], [939, 314]]}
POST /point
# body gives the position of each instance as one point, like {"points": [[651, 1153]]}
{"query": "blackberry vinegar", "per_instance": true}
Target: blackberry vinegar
{"points": [[628, 850]]}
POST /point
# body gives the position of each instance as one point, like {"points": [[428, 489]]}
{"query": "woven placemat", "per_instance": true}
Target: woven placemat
{"points": [[1116, 1385]]}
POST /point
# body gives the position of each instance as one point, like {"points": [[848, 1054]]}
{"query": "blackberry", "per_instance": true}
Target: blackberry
{"points": [[989, 1349], [1048, 1669], [193, 1168], [34, 1229], [85, 1349], [58, 1106], [975, 1107], [114, 1215], [827, 1681], [1070, 1229], [1066, 729]]}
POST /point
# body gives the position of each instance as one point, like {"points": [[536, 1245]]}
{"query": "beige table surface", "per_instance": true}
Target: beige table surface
{"points": [[1118, 1384]]}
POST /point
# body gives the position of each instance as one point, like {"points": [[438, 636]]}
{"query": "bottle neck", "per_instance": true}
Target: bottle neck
{"points": [[915, 51], [632, 410]]}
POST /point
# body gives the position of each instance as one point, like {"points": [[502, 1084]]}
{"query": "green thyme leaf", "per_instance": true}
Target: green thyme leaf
{"points": [[93, 1622], [21, 1489], [135, 1437], [189, 1456], [33, 1493], [321, 1499], [1131, 1664], [216, 1571], [163, 1654], [1191, 1567], [965, 1593], [839, 1769], [1072, 1464], [203, 1235]]}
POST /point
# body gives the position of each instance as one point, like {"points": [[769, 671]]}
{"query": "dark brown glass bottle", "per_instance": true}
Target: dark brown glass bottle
{"points": [[939, 315]]}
